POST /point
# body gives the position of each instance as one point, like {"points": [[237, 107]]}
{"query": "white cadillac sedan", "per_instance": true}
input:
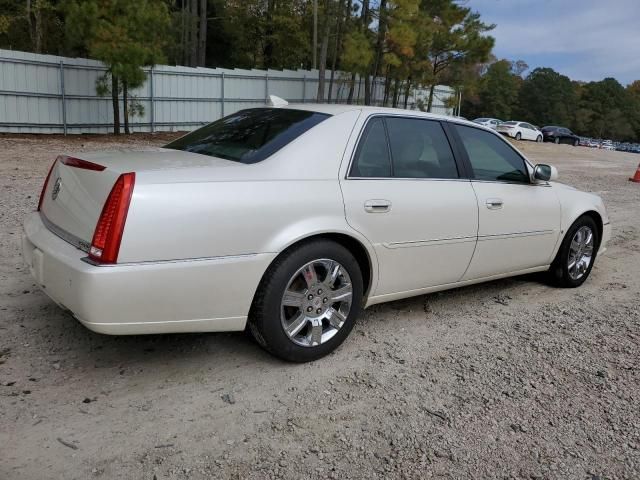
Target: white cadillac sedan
{"points": [[292, 219]]}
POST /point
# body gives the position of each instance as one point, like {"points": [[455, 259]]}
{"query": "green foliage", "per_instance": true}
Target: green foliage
{"points": [[547, 98], [124, 35]]}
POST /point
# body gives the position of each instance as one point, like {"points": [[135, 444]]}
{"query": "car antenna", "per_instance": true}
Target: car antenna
{"points": [[277, 101]]}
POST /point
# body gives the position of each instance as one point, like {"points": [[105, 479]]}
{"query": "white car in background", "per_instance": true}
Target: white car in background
{"points": [[291, 220], [607, 145], [520, 131], [488, 122]]}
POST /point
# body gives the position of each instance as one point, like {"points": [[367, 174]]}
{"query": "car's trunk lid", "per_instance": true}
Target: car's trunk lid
{"points": [[75, 195]]}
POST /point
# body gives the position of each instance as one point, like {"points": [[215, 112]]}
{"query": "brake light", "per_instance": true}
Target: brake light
{"points": [[79, 163], [46, 182], [108, 233]]}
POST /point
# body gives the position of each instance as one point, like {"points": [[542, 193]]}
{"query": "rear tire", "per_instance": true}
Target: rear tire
{"points": [[557, 140], [518, 136], [310, 321], [576, 143], [539, 139], [576, 255]]}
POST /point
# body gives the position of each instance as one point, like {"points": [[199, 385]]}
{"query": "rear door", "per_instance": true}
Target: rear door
{"points": [[406, 193], [519, 221]]}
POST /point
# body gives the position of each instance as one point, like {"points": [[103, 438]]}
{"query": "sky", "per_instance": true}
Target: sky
{"points": [[584, 39]]}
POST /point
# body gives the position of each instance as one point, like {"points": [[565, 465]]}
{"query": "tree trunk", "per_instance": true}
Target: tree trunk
{"points": [[323, 54], [352, 85], [267, 52], [116, 105], [365, 28], [125, 107], [407, 88], [430, 102], [193, 24], [336, 51], [382, 31], [396, 92], [202, 34], [38, 29], [184, 38], [387, 86]]}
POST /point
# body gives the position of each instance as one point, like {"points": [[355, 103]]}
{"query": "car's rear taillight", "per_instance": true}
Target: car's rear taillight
{"points": [[46, 182], [108, 233], [79, 163]]}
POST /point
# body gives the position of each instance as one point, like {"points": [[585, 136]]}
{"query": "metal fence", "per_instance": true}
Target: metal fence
{"points": [[50, 94]]}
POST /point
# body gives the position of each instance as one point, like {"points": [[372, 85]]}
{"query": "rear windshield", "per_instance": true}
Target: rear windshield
{"points": [[249, 136], [509, 123]]}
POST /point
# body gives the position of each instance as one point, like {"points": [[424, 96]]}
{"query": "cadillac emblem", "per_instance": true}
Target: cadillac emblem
{"points": [[56, 188]]}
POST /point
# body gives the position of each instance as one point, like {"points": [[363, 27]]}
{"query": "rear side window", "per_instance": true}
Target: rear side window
{"points": [[404, 148], [249, 136], [491, 157], [420, 149], [372, 156]]}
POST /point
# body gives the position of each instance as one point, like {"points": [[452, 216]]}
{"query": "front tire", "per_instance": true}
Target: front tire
{"points": [[539, 139], [308, 301], [518, 136], [576, 143], [576, 255], [557, 140]]}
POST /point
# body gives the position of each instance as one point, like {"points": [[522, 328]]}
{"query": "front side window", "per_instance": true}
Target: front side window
{"points": [[249, 136], [420, 149], [491, 157]]}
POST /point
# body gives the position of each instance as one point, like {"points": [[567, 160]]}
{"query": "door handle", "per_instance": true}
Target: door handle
{"points": [[377, 206], [494, 203]]}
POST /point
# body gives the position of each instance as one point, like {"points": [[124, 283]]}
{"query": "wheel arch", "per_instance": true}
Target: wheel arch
{"points": [[364, 256]]}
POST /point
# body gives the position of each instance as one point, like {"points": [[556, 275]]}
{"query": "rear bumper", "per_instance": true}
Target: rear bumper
{"points": [[197, 295]]}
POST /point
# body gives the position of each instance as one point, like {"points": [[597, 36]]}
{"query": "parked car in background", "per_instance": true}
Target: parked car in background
{"points": [[607, 145], [593, 143], [520, 131], [291, 220], [584, 141], [488, 122], [560, 135]]}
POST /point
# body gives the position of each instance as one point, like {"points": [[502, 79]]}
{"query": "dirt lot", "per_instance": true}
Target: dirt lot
{"points": [[510, 379]]}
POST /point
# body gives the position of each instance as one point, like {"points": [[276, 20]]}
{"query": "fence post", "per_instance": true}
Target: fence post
{"points": [[266, 88], [304, 88], [62, 96], [152, 111], [222, 95]]}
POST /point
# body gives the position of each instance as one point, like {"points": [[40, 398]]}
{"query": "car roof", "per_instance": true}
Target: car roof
{"points": [[336, 109]]}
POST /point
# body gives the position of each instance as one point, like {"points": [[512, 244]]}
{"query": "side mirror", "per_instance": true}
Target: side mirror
{"points": [[545, 173]]}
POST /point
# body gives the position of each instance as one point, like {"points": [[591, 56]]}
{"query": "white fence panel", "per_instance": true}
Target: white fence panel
{"points": [[50, 94]]}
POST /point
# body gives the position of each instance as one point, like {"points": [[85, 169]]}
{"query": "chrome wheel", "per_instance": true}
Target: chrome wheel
{"points": [[316, 302], [580, 253]]}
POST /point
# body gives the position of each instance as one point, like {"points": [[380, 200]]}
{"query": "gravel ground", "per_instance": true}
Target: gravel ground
{"points": [[509, 379]]}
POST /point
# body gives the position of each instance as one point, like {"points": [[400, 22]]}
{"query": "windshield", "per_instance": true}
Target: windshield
{"points": [[249, 136], [482, 119]]}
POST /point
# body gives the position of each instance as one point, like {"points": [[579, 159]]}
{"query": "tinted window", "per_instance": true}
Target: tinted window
{"points": [[420, 149], [491, 157], [249, 136], [510, 123], [372, 157]]}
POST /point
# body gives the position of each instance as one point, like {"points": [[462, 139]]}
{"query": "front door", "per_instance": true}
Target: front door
{"points": [[519, 221], [404, 193]]}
